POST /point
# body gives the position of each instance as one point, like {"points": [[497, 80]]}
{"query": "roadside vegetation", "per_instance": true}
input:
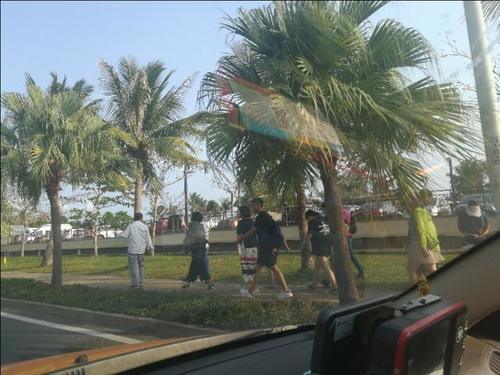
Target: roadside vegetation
{"points": [[202, 309], [385, 271]]}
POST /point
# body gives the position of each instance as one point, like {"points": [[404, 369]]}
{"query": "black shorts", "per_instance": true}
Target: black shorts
{"points": [[266, 257], [320, 249]]}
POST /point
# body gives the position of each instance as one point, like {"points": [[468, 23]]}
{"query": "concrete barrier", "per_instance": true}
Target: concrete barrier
{"points": [[383, 234]]}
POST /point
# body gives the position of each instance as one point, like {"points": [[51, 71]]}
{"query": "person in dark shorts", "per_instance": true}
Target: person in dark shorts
{"points": [[268, 237], [318, 232]]}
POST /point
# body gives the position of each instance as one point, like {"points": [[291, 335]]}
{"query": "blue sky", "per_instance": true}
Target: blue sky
{"points": [[70, 38]]}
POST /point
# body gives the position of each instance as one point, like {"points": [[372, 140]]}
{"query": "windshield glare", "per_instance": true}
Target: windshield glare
{"points": [[234, 165]]}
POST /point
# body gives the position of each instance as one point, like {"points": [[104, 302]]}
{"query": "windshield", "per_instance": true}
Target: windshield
{"points": [[223, 166]]}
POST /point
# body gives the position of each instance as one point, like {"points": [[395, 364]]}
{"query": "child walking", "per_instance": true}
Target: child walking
{"points": [[196, 241]]}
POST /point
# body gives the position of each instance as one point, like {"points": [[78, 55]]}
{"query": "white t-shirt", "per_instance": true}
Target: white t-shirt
{"points": [[138, 237]]}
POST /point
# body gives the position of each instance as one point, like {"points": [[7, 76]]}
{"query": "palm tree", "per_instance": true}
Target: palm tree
{"points": [[147, 114], [54, 137], [320, 83]]}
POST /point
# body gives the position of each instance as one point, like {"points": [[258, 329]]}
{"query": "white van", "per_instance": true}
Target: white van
{"points": [[44, 232]]}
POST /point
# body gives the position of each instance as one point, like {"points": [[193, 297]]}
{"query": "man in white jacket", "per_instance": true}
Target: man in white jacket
{"points": [[139, 240]]}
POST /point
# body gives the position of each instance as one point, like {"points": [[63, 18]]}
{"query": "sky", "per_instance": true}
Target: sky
{"points": [[71, 38]]}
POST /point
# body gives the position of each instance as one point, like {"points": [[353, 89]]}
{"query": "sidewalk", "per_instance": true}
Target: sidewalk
{"points": [[266, 293]]}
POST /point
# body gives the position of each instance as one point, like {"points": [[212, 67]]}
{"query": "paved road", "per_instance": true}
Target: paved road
{"points": [[23, 341], [30, 330]]}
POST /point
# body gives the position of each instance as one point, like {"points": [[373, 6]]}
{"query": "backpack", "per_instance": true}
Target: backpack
{"points": [[278, 238], [353, 227]]}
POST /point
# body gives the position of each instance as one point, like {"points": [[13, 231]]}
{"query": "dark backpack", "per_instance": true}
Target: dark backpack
{"points": [[278, 238], [353, 227]]}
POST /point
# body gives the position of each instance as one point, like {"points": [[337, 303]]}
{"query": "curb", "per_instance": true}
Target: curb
{"points": [[115, 315]]}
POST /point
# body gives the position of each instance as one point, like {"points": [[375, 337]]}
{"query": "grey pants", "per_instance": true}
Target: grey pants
{"points": [[136, 269]]}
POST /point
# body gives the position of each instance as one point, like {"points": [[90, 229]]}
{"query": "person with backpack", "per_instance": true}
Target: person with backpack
{"points": [[473, 223], [351, 228], [319, 235], [269, 240], [196, 242]]}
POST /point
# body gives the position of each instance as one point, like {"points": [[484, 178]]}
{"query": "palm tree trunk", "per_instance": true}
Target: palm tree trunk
{"points": [[48, 253], [138, 188], [348, 292], [305, 245], [55, 215]]}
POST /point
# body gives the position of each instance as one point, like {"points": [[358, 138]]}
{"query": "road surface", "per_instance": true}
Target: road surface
{"points": [[31, 330]]}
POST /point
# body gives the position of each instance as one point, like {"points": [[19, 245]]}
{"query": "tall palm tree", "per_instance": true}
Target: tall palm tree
{"points": [[147, 114], [53, 137], [320, 82]]}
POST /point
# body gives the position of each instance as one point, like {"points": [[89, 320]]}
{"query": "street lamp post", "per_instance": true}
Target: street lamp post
{"points": [[486, 96], [185, 195], [452, 183]]}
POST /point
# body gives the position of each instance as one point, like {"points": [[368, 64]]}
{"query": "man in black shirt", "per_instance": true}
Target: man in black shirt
{"points": [[319, 232], [268, 237]]}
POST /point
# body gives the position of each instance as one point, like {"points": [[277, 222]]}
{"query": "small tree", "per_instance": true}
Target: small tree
{"points": [[197, 203], [470, 176], [213, 208], [121, 219]]}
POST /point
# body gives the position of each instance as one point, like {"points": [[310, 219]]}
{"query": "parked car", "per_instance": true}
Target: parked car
{"points": [[43, 233], [439, 207], [227, 224], [106, 232], [175, 223], [484, 200], [377, 209]]}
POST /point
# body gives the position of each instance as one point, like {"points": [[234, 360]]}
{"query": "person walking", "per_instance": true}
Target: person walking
{"points": [[351, 228], [473, 223], [196, 242], [319, 235], [423, 248], [247, 248], [139, 240], [269, 238]]}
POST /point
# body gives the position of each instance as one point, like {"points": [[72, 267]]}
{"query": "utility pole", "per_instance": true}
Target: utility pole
{"points": [[486, 96], [185, 195], [452, 182]]}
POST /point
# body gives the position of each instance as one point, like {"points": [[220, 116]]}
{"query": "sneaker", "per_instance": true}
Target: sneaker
{"points": [[185, 286], [210, 287], [285, 295], [325, 283], [246, 293], [333, 290]]}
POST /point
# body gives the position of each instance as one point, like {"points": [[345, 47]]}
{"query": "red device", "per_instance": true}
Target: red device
{"points": [[426, 338]]}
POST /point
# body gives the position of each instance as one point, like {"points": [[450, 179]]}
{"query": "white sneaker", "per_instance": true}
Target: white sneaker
{"points": [[285, 295], [246, 293]]}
